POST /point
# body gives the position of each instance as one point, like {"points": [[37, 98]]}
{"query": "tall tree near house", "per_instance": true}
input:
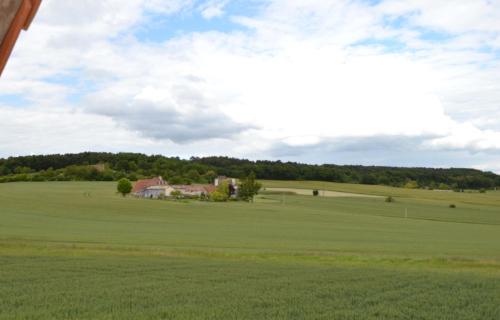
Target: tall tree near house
{"points": [[249, 188], [124, 187], [223, 188]]}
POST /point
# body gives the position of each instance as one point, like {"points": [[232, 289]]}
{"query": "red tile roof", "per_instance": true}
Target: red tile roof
{"points": [[210, 188], [143, 184]]}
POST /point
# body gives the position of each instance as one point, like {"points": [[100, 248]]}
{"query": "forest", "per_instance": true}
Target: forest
{"points": [[99, 166]]}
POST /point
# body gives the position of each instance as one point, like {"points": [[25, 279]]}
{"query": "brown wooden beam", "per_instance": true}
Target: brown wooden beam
{"points": [[22, 20], [35, 4]]}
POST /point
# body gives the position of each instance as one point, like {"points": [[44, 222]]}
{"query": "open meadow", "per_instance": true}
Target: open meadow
{"points": [[77, 250]]}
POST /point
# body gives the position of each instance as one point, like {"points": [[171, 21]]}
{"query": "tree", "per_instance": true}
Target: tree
{"points": [[210, 176], [124, 186], [217, 196], [369, 179], [110, 166], [412, 184], [21, 170], [223, 188], [443, 186], [3, 170], [176, 194], [123, 165], [249, 188], [176, 180], [193, 175]]}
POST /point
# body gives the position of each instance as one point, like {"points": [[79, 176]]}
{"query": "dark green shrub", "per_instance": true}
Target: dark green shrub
{"points": [[217, 196], [176, 194], [124, 186], [390, 199], [38, 178], [315, 193], [452, 206]]}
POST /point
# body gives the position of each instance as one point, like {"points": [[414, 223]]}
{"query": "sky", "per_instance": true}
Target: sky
{"points": [[371, 82]]}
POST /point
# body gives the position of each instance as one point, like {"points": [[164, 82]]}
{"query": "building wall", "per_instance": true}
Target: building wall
{"points": [[220, 180], [168, 190], [155, 192]]}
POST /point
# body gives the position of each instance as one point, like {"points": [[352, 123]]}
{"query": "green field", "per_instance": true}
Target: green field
{"points": [[469, 197], [66, 255]]}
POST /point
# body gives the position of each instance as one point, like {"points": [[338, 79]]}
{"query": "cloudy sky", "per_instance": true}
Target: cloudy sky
{"points": [[390, 82]]}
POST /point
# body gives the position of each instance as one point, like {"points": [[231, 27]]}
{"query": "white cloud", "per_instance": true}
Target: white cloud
{"points": [[457, 16], [181, 115], [467, 136], [167, 6], [213, 9], [42, 130], [306, 72]]}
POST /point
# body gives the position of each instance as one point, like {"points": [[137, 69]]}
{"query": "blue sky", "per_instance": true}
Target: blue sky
{"points": [[406, 82], [161, 28]]}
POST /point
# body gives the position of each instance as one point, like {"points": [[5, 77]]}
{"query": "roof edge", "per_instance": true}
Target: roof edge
{"points": [[19, 21], [35, 4]]}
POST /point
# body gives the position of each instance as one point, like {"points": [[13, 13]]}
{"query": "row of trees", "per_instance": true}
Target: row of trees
{"points": [[433, 178], [108, 166]]}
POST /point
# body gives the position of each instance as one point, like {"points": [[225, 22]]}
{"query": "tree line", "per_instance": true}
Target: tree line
{"points": [[99, 166]]}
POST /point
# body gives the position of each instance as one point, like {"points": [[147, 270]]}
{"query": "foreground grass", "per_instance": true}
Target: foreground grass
{"points": [[195, 288], [64, 255]]}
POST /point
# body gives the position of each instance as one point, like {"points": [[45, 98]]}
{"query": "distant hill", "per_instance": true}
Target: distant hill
{"points": [[99, 166]]}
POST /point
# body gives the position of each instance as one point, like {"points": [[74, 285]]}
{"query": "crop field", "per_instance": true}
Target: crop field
{"points": [[77, 250], [308, 192], [471, 197]]}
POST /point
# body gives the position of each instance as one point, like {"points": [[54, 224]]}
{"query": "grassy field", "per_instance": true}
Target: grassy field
{"points": [[65, 255], [491, 197]]}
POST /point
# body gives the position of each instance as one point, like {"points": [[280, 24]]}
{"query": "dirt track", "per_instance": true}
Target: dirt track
{"points": [[323, 193]]}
